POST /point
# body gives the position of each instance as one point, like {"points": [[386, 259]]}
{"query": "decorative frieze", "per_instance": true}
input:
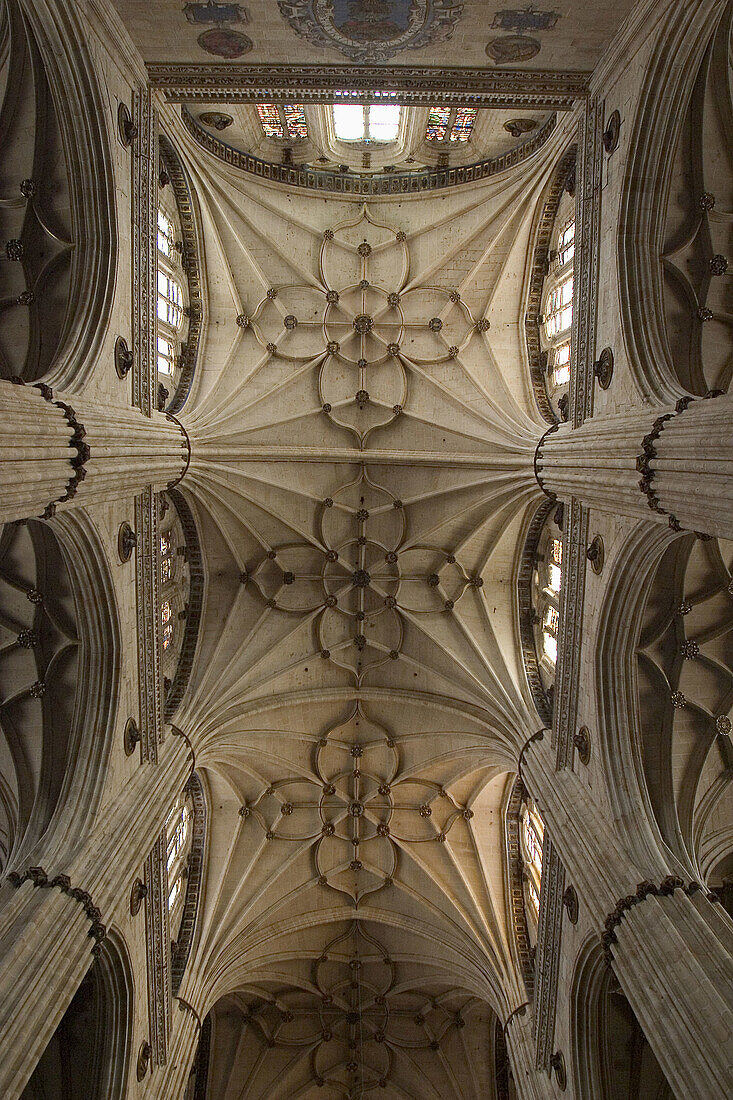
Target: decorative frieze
{"points": [[144, 268], [158, 950], [148, 623], [417, 85], [548, 951]]}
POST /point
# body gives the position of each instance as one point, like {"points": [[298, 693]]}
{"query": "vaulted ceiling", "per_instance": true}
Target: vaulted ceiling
{"points": [[363, 429]]}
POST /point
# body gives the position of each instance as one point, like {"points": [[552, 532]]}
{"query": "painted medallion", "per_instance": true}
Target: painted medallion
{"points": [[225, 43], [372, 30]]}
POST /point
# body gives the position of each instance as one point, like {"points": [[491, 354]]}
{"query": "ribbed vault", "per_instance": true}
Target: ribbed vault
{"points": [[363, 430]]}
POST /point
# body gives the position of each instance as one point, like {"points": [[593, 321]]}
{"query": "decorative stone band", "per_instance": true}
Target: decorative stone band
{"points": [[76, 442], [39, 877], [649, 453], [537, 456], [426, 85], [176, 481], [184, 1006], [644, 890]]}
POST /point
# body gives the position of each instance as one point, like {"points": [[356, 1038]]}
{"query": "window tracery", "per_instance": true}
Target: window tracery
{"points": [[285, 120]]}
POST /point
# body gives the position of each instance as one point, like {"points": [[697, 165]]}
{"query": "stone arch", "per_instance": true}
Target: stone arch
{"points": [[612, 1059], [56, 579], [87, 1057]]}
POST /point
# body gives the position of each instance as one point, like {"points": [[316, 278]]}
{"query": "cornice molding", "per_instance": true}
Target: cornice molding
{"points": [[351, 183], [478, 87]]}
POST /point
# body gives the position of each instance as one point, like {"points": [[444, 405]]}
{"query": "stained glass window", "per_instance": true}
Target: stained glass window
{"points": [[450, 123], [287, 121], [270, 119], [437, 126], [557, 551], [170, 300], [167, 635], [551, 619], [463, 124], [165, 545], [295, 120], [165, 611], [555, 578], [166, 355], [566, 244], [560, 308], [165, 570]]}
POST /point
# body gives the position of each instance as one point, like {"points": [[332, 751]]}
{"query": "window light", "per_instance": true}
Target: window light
{"points": [[566, 244], [170, 300], [549, 643], [166, 356], [378, 122], [561, 367], [557, 551], [270, 118], [555, 578], [560, 308], [165, 234], [463, 125], [437, 126]]}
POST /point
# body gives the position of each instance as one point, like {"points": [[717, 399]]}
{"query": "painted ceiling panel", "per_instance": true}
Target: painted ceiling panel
{"points": [[567, 35]]}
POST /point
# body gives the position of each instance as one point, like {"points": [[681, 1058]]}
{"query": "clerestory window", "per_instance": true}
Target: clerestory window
{"points": [[558, 300], [286, 120], [532, 834], [371, 124], [451, 124], [178, 829]]}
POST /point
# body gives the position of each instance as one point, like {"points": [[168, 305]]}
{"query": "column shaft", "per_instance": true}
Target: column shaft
{"points": [[667, 464], [60, 449], [673, 954], [45, 942]]}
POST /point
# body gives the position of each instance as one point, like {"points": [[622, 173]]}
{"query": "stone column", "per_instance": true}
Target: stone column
{"points": [[530, 1083], [52, 915], [667, 464], [56, 449], [670, 946]]}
